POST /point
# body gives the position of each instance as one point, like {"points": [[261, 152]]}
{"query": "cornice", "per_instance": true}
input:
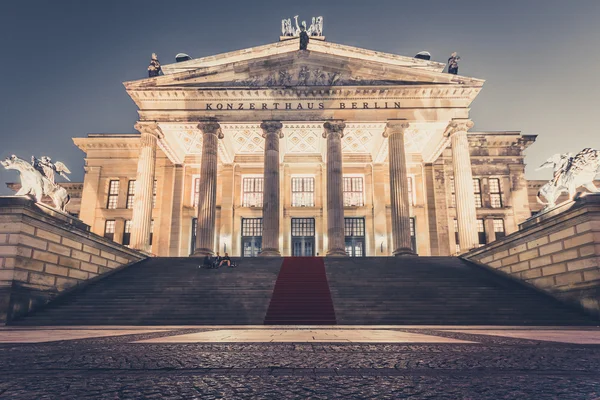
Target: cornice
{"points": [[97, 143]]}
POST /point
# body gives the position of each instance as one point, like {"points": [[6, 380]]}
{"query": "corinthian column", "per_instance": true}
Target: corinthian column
{"points": [[141, 219], [399, 188], [334, 132], [466, 215], [270, 239], [207, 207]]}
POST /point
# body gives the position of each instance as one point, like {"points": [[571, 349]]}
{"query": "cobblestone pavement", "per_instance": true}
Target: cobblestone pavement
{"points": [[115, 368]]}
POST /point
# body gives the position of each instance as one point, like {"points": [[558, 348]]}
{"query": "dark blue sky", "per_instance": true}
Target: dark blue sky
{"points": [[63, 62]]}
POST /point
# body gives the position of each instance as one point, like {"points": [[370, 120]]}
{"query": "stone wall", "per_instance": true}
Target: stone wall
{"points": [[557, 251], [44, 252]]}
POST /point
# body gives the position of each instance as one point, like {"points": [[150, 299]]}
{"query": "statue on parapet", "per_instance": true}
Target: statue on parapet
{"points": [[154, 68], [569, 173], [37, 179], [453, 63], [304, 39], [315, 29]]}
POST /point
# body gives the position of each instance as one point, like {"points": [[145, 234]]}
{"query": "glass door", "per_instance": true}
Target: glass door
{"points": [[303, 237], [251, 236]]}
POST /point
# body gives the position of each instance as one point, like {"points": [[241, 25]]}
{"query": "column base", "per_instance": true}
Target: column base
{"points": [[337, 253], [202, 253], [404, 252], [269, 253]]}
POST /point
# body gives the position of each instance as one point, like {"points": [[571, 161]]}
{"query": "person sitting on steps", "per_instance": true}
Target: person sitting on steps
{"points": [[217, 261], [206, 262], [225, 260]]}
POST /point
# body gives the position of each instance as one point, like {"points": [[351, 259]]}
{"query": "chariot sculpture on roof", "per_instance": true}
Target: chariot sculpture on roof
{"points": [[569, 173], [315, 28]]}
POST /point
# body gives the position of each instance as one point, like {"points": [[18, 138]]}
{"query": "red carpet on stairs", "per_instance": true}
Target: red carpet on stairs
{"points": [[301, 295]]}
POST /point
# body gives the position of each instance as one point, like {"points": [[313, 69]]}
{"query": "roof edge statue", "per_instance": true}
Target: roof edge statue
{"points": [[37, 179]]}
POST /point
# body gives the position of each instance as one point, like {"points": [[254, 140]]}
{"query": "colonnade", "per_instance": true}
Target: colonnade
{"points": [[333, 133]]}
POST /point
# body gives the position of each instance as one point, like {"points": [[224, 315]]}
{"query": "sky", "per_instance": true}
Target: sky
{"points": [[63, 62]]}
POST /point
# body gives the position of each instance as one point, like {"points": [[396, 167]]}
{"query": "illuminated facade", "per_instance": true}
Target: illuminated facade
{"points": [[335, 150]]}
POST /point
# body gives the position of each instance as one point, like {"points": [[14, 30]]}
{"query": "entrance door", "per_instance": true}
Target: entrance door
{"points": [[303, 237], [354, 235], [251, 236]]}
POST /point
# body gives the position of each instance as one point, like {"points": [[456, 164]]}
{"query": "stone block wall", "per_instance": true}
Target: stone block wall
{"points": [[557, 251], [44, 252]]}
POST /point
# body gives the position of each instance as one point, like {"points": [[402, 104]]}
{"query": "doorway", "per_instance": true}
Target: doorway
{"points": [[303, 237], [251, 236]]}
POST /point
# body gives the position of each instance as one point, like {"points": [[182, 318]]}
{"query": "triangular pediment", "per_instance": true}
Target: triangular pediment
{"points": [[285, 66]]}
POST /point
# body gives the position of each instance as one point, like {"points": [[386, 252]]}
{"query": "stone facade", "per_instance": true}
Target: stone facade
{"points": [[44, 252], [365, 190], [557, 251]]}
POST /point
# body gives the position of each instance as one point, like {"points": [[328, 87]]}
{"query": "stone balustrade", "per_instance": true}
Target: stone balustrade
{"points": [[557, 251], [44, 253]]}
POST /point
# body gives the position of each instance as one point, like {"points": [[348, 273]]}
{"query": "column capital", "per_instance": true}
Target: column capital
{"points": [[211, 128], [336, 126], [395, 126], [148, 128], [458, 125], [271, 127]]}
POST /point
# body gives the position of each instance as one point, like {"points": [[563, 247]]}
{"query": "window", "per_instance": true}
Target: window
{"points": [[130, 193], [193, 235], [113, 194], [303, 227], [109, 229], [477, 191], [413, 235], [252, 226], [410, 191], [495, 193], [499, 228], [453, 193], [354, 227], [196, 192], [481, 232], [154, 194], [303, 192], [127, 233], [151, 232], [252, 189], [353, 191], [456, 236]]}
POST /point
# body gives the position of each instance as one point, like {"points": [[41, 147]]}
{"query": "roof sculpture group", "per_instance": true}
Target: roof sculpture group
{"points": [[37, 179], [315, 28], [569, 173]]}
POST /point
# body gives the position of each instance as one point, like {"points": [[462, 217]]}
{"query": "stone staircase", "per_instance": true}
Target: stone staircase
{"points": [[437, 291], [168, 291], [365, 291]]}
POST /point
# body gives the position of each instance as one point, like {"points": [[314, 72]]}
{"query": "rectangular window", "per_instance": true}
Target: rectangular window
{"points": [[127, 233], [109, 229], [413, 235], [499, 228], [303, 192], [481, 231], [252, 189], [495, 193], [154, 195], [477, 191], [456, 236], [151, 232], [354, 227], [303, 227], [252, 226], [130, 193], [196, 192], [410, 191], [453, 193], [353, 192], [193, 235], [113, 194]]}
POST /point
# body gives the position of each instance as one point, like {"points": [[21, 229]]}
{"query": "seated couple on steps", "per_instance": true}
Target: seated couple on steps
{"points": [[217, 261]]}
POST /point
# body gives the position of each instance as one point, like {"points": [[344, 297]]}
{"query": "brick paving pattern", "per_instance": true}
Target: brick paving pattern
{"points": [[116, 368]]}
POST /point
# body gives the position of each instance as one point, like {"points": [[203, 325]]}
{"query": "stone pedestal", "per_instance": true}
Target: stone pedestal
{"points": [[399, 188], [207, 207], [141, 219], [44, 253], [270, 238], [334, 131], [466, 214]]}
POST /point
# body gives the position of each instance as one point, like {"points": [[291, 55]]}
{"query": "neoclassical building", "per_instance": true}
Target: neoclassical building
{"points": [[330, 151]]}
